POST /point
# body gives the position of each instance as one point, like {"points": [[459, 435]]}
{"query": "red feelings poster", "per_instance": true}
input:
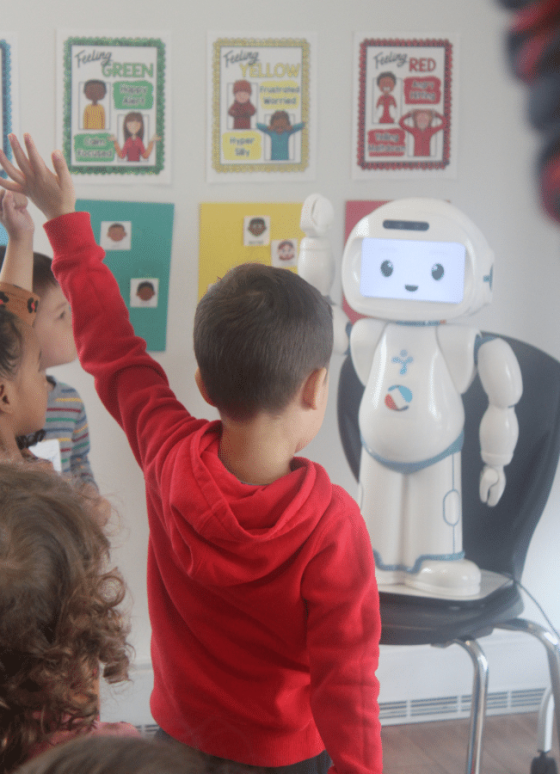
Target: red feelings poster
{"points": [[404, 107]]}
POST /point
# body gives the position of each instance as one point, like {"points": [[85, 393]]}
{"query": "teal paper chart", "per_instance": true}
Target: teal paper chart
{"points": [[137, 237], [9, 99]]}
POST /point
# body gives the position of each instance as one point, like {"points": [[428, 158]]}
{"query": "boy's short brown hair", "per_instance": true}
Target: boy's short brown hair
{"points": [[258, 334], [43, 277]]}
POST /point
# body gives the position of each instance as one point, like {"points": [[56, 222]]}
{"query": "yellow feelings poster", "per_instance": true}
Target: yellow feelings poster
{"points": [[231, 234], [261, 107]]}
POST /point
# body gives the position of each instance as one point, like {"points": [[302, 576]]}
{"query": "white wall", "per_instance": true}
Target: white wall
{"points": [[495, 186]]}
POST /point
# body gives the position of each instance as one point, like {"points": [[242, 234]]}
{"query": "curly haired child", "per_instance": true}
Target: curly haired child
{"points": [[60, 615]]}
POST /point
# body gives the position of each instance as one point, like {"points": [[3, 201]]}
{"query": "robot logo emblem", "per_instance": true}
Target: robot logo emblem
{"points": [[398, 397], [405, 360]]}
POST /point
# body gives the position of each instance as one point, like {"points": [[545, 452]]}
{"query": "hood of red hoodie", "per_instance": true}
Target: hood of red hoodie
{"points": [[224, 532]]}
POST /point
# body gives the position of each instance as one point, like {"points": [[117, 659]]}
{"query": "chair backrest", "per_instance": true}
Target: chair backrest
{"points": [[495, 538]]}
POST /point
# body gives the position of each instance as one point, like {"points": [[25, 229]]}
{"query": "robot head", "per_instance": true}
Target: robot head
{"points": [[417, 260]]}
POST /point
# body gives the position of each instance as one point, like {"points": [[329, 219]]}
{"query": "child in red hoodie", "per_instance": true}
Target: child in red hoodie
{"points": [[261, 584]]}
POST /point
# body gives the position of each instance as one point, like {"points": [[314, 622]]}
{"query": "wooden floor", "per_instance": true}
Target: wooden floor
{"points": [[441, 747]]}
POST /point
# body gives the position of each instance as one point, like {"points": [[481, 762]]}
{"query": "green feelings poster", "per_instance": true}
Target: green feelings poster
{"points": [[137, 237], [113, 107]]}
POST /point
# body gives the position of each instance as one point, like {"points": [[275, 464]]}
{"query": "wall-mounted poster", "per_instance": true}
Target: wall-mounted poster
{"points": [[9, 101], [261, 108], [232, 233], [113, 106], [136, 237], [405, 107]]}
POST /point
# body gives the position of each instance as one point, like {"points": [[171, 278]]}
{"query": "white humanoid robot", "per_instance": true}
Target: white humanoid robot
{"points": [[409, 267]]}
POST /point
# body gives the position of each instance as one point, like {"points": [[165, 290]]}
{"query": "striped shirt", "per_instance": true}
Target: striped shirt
{"points": [[67, 421]]}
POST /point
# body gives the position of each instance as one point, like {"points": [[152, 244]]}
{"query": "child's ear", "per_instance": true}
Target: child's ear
{"points": [[202, 387], [312, 388], [5, 398]]}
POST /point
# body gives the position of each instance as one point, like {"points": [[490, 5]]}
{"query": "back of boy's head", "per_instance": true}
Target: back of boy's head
{"points": [[43, 277], [258, 334], [59, 613], [104, 754], [114, 755]]}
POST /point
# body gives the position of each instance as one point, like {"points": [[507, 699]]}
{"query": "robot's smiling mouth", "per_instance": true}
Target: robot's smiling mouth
{"points": [[411, 288]]}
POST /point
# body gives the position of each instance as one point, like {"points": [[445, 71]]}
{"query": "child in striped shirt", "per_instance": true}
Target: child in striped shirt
{"points": [[66, 420]]}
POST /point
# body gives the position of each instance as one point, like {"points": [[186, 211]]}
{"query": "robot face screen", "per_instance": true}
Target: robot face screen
{"points": [[413, 270]]}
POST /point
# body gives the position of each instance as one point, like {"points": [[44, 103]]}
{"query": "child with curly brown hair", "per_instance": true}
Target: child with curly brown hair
{"points": [[60, 616]]}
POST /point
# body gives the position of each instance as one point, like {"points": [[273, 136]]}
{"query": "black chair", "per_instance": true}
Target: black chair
{"points": [[497, 539]]}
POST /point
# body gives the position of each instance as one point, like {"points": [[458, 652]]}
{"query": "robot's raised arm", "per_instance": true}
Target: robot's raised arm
{"points": [[501, 379], [316, 263]]}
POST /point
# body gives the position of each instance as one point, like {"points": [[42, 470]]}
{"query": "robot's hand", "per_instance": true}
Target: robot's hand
{"points": [[317, 216], [315, 260], [492, 484]]}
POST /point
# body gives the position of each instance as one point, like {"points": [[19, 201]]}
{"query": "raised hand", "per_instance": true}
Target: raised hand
{"points": [[14, 215], [52, 192]]}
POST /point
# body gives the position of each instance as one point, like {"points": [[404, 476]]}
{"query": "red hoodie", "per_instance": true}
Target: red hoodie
{"points": [[263, 601]]}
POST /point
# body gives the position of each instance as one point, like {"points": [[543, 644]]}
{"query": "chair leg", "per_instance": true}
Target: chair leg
{"points": [[552, 645], [478, 703], [545, 723]]}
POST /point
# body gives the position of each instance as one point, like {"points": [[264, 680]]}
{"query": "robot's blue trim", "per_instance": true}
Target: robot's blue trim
{"points": [[417, 322], [479, 341], [413, 467], [489, 278], [417, 564]]}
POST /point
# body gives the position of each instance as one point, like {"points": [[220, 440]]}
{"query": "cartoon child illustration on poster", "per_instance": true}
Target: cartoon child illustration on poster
{"points": [[94, 114], [133, 148], [280, 130], [242, 108], [386, 83], [423, 128]]}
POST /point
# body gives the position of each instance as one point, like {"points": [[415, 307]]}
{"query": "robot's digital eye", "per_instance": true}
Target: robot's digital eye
{"points": [[437, 271], [386, 268]]}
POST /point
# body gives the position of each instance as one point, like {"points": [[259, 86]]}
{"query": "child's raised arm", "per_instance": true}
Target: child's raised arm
{"points": [[52, 192], [17, 267]]}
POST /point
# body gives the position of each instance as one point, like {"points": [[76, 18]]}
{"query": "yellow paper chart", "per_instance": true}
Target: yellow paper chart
{"points": [[234, 233]]}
